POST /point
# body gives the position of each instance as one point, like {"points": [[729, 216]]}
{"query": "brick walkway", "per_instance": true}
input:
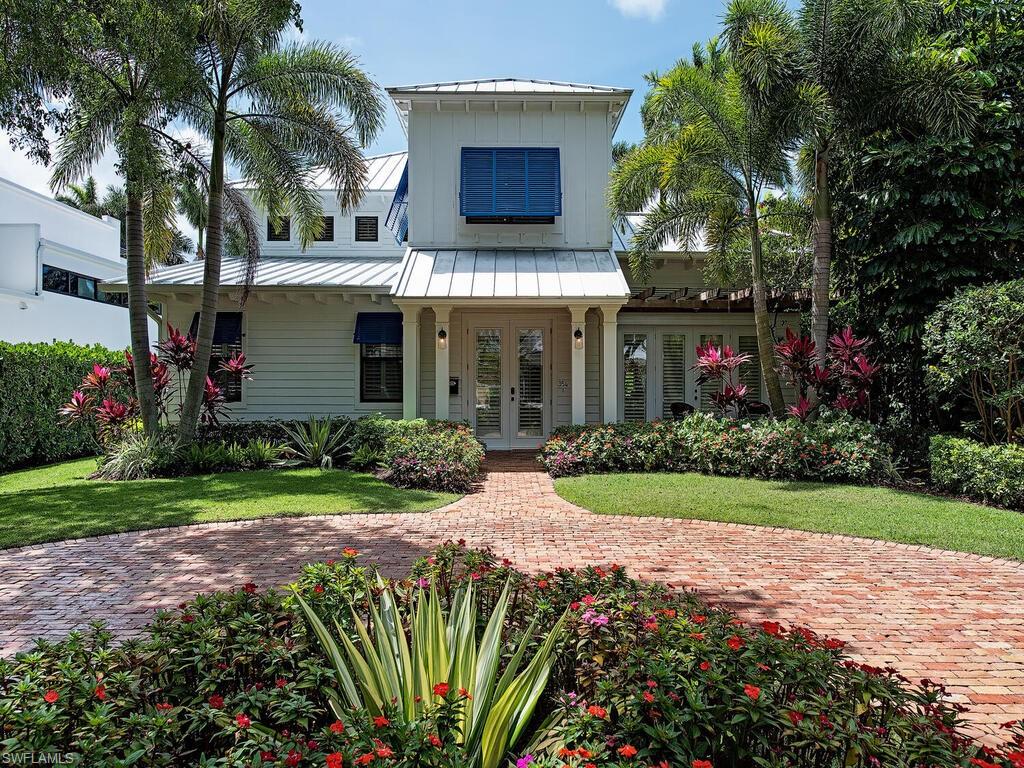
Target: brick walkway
{"points": [[952, 617]]}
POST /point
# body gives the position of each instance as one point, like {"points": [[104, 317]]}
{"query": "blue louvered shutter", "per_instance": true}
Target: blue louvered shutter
{"points": [[476, 196], [545, 183], [398, 215], [510, 181]]}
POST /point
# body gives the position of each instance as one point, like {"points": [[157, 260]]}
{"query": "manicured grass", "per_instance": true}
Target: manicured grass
{"points": [[57, 502], [877, 513]]}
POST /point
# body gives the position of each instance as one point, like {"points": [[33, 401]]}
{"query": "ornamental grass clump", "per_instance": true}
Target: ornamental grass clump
{"points": [[578, 667]]}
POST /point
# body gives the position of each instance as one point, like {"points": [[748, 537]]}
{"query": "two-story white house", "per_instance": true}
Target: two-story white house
{"points": [[53, 260], [481, 278]]}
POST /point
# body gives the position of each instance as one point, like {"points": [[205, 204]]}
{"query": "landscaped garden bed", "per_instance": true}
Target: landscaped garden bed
{"points": [[468, 662]]}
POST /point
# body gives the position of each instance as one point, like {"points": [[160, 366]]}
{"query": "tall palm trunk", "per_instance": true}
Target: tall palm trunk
{"points": [[765, 341], [822, 253], [138, 314], [211, 285]]}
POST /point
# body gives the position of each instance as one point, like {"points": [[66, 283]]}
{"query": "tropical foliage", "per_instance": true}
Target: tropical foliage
{"points": [[989, 473], [833, 447], [636, 676], [319, 442], [436, 455]]}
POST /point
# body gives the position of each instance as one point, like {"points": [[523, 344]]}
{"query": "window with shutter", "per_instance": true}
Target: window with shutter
{"points": [[327, 235], [510, 183], [634, 376], [673, 371], [282, 233], [227, 342], [380, 373], [366, 229], [750, 373]]}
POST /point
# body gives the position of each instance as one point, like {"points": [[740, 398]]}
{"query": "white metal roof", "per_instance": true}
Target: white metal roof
{"points": [[382, 174], [513, 273], [505, 85], [292, 271], [622, 237]]}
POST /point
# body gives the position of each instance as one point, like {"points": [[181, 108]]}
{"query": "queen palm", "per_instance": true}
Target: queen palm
{"points": [[702, 168], [858, 64], [120, 81], [277, 113]]}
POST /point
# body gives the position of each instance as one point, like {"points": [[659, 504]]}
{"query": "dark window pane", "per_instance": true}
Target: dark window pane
{"points": [[227, 342], [327, 236], [282, 233], [55, 279], [366, 229], [380, 373], [85, 287]]}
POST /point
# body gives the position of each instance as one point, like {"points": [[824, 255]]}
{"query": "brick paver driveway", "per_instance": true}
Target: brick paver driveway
{"points": [[952, 617]]}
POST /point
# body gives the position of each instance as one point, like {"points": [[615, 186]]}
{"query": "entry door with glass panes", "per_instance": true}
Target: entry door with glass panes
{"points": [[510, 389], [654, 373]]}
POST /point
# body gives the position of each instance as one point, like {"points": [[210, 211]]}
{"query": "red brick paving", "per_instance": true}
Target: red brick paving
{"points": [[943, 615]]}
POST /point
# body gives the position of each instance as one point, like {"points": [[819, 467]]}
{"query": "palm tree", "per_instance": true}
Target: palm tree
{"points": [[857, 64], [83, 197], [705, 162], [276, 112], [120, 85]]}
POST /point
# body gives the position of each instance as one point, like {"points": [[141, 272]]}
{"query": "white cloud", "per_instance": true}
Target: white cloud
{"points": [[651, 9]]}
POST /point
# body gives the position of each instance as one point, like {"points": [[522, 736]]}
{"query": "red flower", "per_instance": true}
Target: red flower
{"points": [[318, 589], [701, 764], [795, 717], [51, 696], [627, 750], [434, 740], [752, 691], [280, 682], [243, 720], [464, 693], [596, 711], [337, 727], [735, 642], [705, 666], [350, 552], [293, 758], [163, 706], [249, 588], [216, 701], [542, 584], [698, 618], [772, 628], [364, 759], [381, 722], [384, 752], [441, 689], [648, 697], [101, 692], [333, 760], [833, 644]]}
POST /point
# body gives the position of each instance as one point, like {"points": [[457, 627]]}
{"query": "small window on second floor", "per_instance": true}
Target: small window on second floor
{"points": [[282, 233], [327, 235], [366, 229]]}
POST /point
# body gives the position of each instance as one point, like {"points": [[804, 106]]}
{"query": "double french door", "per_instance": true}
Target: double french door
{"points": [[509, 371]]}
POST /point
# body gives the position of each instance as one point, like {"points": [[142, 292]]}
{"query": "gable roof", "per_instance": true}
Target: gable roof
{"points": [[382, 174]]}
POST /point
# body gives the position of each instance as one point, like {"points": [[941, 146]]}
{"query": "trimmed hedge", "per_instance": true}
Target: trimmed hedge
{"points": [[432, 455], [35, 381], [990, 473], [832, 448]]}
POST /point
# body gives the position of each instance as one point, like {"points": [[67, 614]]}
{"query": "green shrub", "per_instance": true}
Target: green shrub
{"points": [[319, 443], [642, 677], [364, 459], [833, 448], [990, 473], [373, 431], [136, 457], [35, 380], [245, 432], [976, 348], [432, 455]]}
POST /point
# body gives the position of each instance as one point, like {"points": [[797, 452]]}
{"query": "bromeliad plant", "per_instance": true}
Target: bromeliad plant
{"points": [[412, 657]]}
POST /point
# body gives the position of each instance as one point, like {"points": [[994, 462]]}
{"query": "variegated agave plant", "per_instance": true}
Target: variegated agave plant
{"points": [[405, 652]]}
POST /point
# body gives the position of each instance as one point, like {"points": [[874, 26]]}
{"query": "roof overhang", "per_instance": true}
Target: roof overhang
{"points": [[291, 272], [522, 275]]}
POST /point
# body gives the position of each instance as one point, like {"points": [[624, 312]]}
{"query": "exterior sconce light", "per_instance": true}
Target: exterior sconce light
{"points": [[577, 338], [442, 339]]}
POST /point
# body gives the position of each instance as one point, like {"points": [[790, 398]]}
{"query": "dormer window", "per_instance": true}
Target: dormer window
{"points": [[510, 185]]}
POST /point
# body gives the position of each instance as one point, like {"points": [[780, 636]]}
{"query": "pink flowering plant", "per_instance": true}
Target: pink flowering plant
{"points": [[645, 675], [718, 365], [434, 455]]}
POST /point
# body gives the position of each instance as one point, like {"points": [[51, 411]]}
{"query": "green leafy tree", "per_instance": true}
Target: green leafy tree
{"points": [[276, 112], [120, 81], [858, 64], [706, 160]]}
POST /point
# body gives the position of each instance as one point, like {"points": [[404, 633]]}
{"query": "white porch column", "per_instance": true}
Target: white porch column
{"points": [[610, 362], [410, 361], [579, 363], [441, 317]]}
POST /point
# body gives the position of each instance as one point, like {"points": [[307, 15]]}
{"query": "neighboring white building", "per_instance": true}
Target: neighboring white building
{"points": [[480, 279], [52, 259]]}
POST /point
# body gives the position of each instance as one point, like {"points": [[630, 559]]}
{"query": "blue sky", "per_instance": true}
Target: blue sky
{"points": [[608, 42], [590, 41]]}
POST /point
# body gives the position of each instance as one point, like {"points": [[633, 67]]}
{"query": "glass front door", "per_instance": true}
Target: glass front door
{"points": [[510, 384]]}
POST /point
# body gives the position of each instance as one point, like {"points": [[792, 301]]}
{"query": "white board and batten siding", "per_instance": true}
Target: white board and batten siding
{"points": [[436, 138]]}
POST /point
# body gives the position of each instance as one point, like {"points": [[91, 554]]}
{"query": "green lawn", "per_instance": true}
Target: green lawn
{"points": [[57, 502], [877, 513]]}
